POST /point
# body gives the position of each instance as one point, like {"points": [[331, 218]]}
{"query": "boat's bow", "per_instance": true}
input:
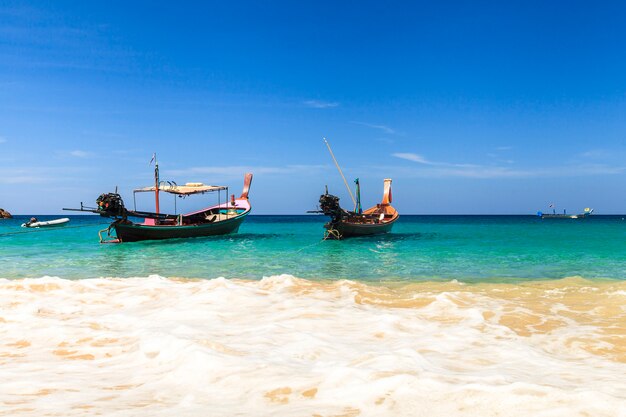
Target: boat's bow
{"points": [[386, 212], [243, 203]]}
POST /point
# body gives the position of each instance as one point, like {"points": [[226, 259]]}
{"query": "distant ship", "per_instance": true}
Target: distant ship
{"points": [[554, 215]]}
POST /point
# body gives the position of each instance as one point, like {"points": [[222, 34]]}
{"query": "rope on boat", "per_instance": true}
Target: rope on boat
{"points": [[37, 230], [308, 246], [329, 234], [332, 234], [109, 238]]}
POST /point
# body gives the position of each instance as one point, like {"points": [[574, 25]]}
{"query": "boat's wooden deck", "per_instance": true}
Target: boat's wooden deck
{"points": [[185, 221], [221, 216]]}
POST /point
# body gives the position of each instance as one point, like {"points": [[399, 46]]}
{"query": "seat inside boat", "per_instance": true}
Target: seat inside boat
{"points": [[220, 216]]}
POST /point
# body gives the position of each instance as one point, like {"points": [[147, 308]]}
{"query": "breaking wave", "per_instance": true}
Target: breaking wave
{"points": [[285, 346]]}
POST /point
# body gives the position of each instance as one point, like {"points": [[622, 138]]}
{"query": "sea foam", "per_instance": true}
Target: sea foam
{"points": [[285, 346]]}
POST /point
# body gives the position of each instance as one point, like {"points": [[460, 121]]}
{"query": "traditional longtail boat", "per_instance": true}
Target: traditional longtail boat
{"points": [[343, 223], [222, 218]]}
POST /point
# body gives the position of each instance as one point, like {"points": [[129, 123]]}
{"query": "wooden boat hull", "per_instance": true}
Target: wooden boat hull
{"points": [[221, 219], [133, 232], [373, 221], [346, 229]]}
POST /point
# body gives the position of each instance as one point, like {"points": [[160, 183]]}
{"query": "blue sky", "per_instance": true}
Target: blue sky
{"points": [[471, 107]]}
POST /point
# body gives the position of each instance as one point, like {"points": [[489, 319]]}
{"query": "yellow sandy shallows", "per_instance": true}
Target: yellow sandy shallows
{"points": [[285, 346]]}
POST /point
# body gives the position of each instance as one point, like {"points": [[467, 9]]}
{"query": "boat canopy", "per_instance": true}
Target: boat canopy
{"points": [[187, 189]]}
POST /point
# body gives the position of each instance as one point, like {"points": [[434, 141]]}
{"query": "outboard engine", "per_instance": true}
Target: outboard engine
{"points": [[329, 205], [111, 205]]}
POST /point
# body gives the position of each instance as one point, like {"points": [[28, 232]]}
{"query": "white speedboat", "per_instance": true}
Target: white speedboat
{"points": [[49, 223]]}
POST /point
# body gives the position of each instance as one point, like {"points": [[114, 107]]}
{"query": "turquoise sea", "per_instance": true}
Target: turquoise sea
{"points": [[420, 248], [447, 316]]}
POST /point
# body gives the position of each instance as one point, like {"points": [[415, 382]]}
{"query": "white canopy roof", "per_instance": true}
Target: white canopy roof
{"points": [[187, 189]]}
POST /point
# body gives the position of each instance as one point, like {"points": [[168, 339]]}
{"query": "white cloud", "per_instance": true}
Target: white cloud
{"points": [[498, 159], [504, 148], [22, 179], [40, 174], [2, 140], [481, 172], [319, 104], [412, 157], [81, 154], [383, 128], [386, 140], [25, 175], [596, 153], [444, 169], [238, 171], [421, 160]]}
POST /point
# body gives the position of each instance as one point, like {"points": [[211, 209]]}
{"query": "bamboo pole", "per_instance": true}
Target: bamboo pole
{"points": [[340, 172]]}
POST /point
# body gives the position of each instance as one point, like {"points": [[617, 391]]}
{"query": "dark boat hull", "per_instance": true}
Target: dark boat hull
{"points": [[375, 220], [133, 232], [565, 216], [347, 229]]}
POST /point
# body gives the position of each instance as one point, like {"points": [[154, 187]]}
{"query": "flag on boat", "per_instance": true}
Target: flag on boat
{"points": [[357, 207]]}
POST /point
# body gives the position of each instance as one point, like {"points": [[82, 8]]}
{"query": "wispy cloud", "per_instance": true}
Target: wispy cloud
{"points": [[386, 140], [38, 174], [382, 128], [504, 148], [238, 171], [23, 179], [412, 157], [421, 160], [102, 134], [477, 172], [319, 104], [497, 157], [2, 139], [444, 169], [81, 154], [596, 153]]}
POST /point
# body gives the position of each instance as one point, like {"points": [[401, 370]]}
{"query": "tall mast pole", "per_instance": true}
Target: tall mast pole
{"points": [[340, 172], [156, 183]]}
